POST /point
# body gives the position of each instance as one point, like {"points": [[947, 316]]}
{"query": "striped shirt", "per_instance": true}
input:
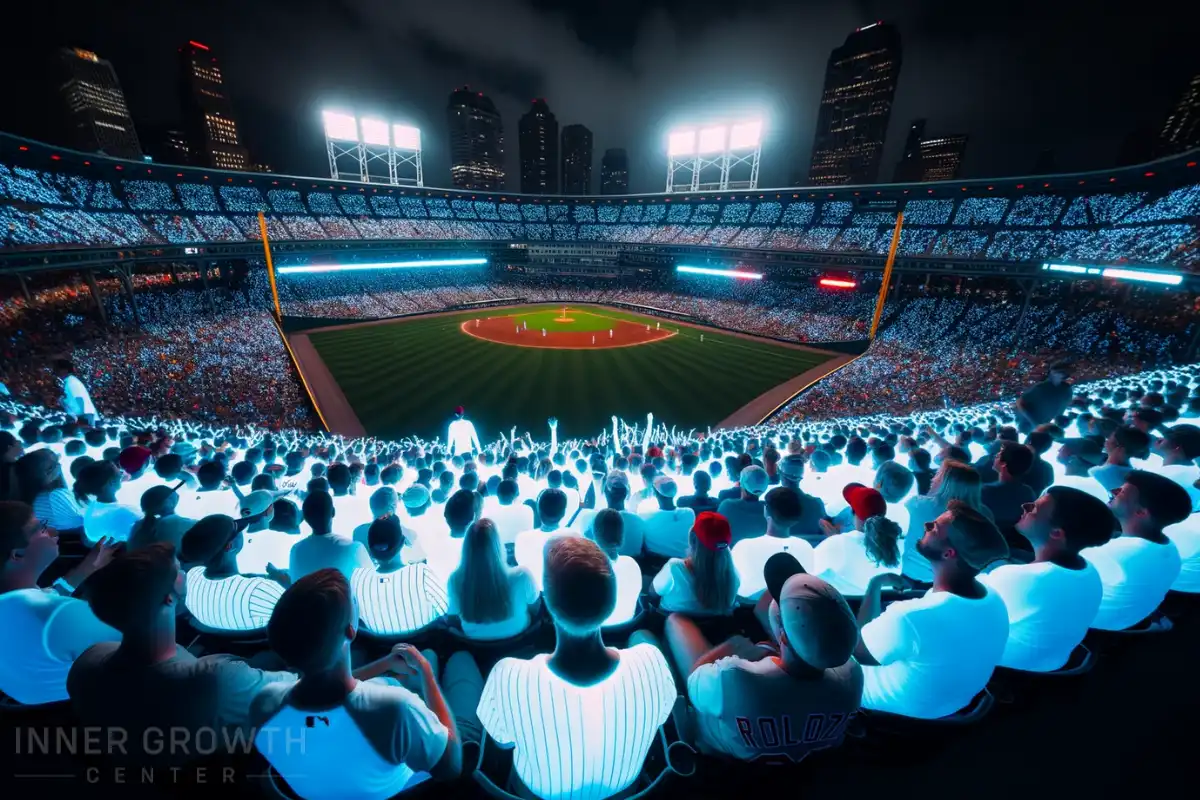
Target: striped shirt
{"points": [[236, 603], [578, 742], [399, 602], [58, 509]]}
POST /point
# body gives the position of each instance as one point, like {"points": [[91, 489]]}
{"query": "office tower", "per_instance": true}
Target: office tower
{"points": [[214, 139], [476, 141], [908, 168], [95, 107], [614, 172], [941, 156], [860, 83], [167, 144], [576, 160], [538, 134]]}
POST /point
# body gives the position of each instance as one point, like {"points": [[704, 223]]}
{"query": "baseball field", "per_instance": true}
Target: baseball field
{"points": [[520, 365]]}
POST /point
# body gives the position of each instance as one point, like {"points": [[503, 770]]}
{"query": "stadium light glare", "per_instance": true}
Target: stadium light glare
{"points": [[437, 262], [406, 137], [681, 143], [712, 139], [745, 135], [375, 132], [1144, 276], [340, 127], [720, 273], [1071, 268], [836, 283]]}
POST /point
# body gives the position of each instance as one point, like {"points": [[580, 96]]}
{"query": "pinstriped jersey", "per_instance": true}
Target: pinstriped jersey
{"points": [[399, 602], [235, 603]]}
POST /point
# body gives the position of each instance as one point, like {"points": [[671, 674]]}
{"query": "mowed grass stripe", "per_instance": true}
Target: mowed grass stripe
{"points": [[405, 377]]}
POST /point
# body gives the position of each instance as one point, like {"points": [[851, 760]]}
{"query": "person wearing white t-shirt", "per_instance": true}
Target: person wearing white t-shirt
{"points": [[491, 600], [1186, 536], [417, 516], [667, 527], [850, 559], [607, 531], [749, 702], [1052, 601], [45, 629], [210, 495], [1179, 448], [510, 516], [76, 400], [929, 657], [461, 435], [1138, 566], [529, 548], [706, 582], [365, 734], [1076, 459], [394, 598], [350, 510], [103, 516], [581, 719], [615, 488], [443, 546], [220, 598], [323, 548], [135, 461], [781, 508], [1122, 444], [263, 547]]}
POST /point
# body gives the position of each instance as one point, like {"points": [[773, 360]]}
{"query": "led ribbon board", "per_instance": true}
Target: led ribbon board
{"points": [[1119, 273], [720, 273], [442, 262]]}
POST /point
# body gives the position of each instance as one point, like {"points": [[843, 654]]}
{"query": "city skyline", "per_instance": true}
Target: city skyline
{"points": [[630, 78]]}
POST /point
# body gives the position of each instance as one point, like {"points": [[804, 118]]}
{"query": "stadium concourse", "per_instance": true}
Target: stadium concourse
{"points": [[972, 548]]}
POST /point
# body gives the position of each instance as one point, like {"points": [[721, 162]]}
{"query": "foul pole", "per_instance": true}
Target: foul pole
{"points": [[887, 274], [262, 229]]}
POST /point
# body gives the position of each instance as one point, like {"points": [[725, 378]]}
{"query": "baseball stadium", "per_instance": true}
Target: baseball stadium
{"points": [[479, 493]]}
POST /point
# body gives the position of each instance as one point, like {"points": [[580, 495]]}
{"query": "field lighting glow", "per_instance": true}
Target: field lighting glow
{"points": [[437, 262], [720, 273], [1120, 273], [340, 127], [406, 137], [837, 283], [374, 131]]}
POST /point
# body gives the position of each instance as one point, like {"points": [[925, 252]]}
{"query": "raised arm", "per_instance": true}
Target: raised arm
{"points": [[649, 428], [553, 422], [616, 435]]}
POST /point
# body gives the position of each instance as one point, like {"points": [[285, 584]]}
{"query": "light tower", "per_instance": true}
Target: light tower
{"points": [[372, 151], [723, 156]]}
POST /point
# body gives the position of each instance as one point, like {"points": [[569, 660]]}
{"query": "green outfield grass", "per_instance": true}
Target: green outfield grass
{"points": [[407, 376]]}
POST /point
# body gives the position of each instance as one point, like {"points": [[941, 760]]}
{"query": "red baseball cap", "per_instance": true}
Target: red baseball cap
{"points": [[459, 410], [133, 458], [712, 530], [864, 501]]}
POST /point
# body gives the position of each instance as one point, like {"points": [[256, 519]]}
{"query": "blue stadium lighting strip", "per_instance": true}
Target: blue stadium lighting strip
{"points": [[1120, 273], [443, 262], [720, 273]]}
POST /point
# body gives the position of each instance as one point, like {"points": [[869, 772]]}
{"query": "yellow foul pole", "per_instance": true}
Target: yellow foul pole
{"points": [[887, 274], [262, 229]]}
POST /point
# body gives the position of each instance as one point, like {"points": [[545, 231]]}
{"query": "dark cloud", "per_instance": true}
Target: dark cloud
{"points": [[1022, 77]]}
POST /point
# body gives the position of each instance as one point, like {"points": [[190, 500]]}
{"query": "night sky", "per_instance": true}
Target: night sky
{"points": [[1026, 76]]}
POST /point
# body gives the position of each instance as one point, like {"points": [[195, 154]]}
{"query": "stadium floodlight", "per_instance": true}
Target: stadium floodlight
{"points": [[712, 139], [720, 273], [746, 135], [837, 283], [375, 132], [681, 143], [1145, 276], [406, 137], [436, 262], [340, 127]]}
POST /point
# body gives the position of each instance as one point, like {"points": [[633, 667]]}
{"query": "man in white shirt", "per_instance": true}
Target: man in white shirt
{"points": [[365, 734], [1052, 601], [582, 718], [745, 513], [607, 532], [1186, 536], [667, 527], [262, 548], [1121, 445], [139, 595], [529, 549], [510, 516], [220, 599], [616, 493], [749, 702], [1179, 448], [323, 548], [461, 435], [135, 461], [45, 629], [75, 399], [1076, 458], [929, 657], [395, 599], [417, 515], [210, 496], [349, 509], [1138, 567], [781, 509]]}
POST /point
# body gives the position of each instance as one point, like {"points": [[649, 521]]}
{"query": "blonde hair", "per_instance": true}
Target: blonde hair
{"points": [[958, 481], [714, 578], [481, 581]]}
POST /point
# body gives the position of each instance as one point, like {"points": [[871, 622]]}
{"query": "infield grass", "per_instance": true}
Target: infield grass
{"points": [[406, 377]]}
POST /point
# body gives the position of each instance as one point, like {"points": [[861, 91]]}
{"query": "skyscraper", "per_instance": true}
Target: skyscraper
{"points": [[95, 107], [1182, 129], [908, 168], [539, 150], [614, 172], [576, 160], [168, 144], [941, 157], [860, 83], [212, 131], [476, 141]]}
